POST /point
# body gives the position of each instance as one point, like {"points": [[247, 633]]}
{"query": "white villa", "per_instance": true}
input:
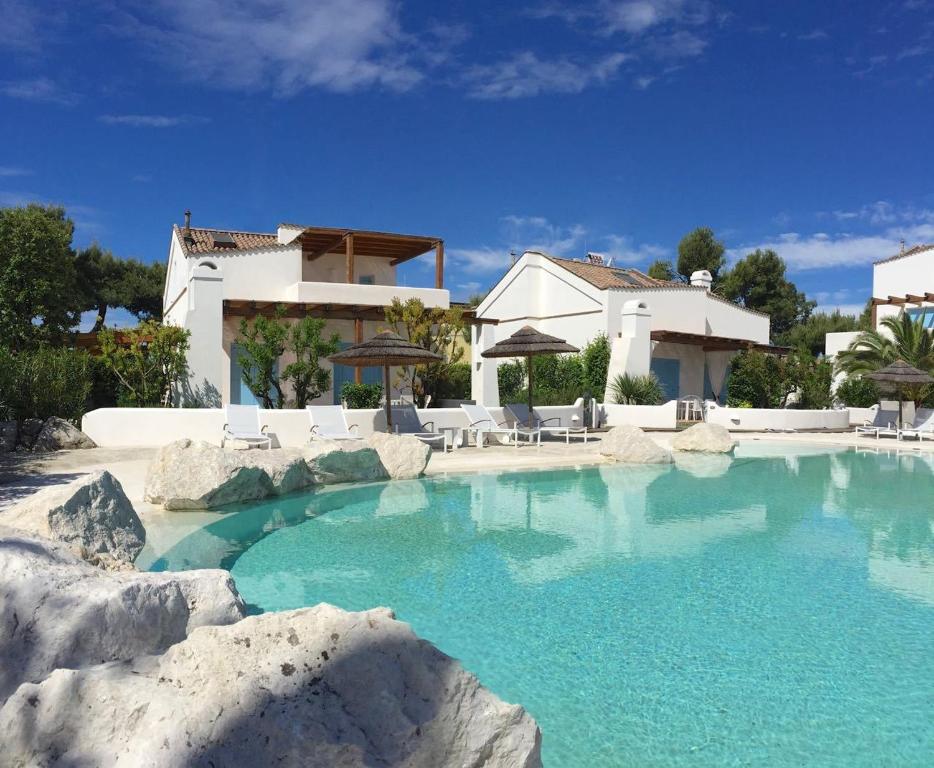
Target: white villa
{"points": [[682, 332], [904, 281], [215, 277]]}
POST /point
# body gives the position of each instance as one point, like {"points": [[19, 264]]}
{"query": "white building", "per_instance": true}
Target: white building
{"points": [[216, 277], [904, 281], [683, 333]]}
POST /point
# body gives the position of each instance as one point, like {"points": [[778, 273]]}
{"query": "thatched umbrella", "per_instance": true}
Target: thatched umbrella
{"points": [[897, 376], [527, 342], [385, 348]]}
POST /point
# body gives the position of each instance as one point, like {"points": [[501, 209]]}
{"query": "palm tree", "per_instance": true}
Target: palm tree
{"points": [[904, 339]]}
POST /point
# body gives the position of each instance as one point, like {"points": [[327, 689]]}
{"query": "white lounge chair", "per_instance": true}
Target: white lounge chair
{"points": [[883, 423], [405, 421], [243, 424], [923, 426], [329, 422], [481, 423], [520, 412]]}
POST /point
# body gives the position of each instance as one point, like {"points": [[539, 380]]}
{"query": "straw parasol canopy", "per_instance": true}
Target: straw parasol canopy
{"points": [[386, 349], [900, 376], [527, 342]]}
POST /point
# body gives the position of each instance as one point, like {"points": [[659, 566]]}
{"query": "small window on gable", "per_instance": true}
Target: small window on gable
{"points": [[367, 280], [208, 264], [224, 240]]}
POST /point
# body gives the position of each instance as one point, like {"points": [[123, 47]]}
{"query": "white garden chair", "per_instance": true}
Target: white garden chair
{"points": [[520, 413], [243, 423], [405, 421], [883, 423], [923, 426], [329, 422]]}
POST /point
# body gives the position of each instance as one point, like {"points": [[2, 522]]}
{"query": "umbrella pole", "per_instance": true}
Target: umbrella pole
{"points": [[530, 390], [387, 395]]}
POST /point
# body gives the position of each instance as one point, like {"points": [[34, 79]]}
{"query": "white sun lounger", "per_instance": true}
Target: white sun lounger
{"points": [[923, 426], [482, 423], [243, 424], [405, 421], [520, 412], [328, 422], [883, 423]]}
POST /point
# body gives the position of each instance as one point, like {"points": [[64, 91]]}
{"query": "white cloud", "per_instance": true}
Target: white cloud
{"points": [[622, 249], [821, 250], [39, 89], [643, 82], [639, 16], [814, 34], [6, 171], [480, 260], [285, 45], [536, 233], [152, 121], [678, 45], [525, 74]]}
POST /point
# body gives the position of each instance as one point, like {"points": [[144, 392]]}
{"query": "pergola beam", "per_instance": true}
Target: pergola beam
{"points": [[332, 246]]}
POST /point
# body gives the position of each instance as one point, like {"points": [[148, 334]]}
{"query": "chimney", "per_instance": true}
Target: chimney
{"points": [[186, 232], [901, 249], [702, 278]]}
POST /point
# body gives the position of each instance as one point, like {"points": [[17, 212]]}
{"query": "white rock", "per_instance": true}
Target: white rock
{"points": [[91, 514], [191, 474], [704, 438], [630, 445], [312, 687], [404, 457], [343, 461], [58, 611], [57, 434]]}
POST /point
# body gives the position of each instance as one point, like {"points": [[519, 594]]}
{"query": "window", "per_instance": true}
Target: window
{"points": [[926, 312], [367, 280]]}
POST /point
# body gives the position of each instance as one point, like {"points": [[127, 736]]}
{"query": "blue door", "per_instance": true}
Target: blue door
{"points": [[344, 373], [668, 372], [240, 393]]}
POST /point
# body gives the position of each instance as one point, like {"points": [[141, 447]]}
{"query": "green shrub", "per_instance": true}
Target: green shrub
{"points": [[596, 359], [511, 379], [814, 383], [455, 383], [858, 392], [757, 379], [43, 382], [636, 390], [361, 395], [149, 362]]}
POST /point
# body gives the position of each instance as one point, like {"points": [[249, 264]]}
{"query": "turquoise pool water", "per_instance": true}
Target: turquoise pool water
{"points": [[763, 610]]}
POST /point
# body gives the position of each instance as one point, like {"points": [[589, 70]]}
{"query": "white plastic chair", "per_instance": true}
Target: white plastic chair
{"points": [[923, 427], [243, 423], [883, 423], [520, 413], [329, 422], [405, 421]]}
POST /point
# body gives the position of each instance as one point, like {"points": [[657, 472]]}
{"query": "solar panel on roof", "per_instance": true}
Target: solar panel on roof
{"points": [[224, 240]]}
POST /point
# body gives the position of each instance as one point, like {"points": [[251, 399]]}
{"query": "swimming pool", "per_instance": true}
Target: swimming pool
{"points": [[761, 610]]}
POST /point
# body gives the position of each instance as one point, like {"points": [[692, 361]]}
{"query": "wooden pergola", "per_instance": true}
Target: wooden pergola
{"points": [[321, 241], [716, 343], [900, 301]]}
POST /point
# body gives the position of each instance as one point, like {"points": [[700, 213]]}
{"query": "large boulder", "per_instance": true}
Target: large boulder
{"points": [[92, 515], [404, 457], [630, 445], [193, 474], [704, 438], [57, 434], [57, 611], [9, 431], [312, 687], [29, 430], [343, 461]]}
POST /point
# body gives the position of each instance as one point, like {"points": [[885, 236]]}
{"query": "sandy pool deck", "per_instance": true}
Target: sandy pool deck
{"points": [[22, 474]]}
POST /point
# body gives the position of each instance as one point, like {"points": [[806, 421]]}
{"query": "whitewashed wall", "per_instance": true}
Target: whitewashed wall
{"points": [[663, 416], [135, 427], [761, 419]]}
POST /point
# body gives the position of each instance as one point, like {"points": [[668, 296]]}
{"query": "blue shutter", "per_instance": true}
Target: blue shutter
{"points": [[240, 393], [344, 373], [668, 372]]}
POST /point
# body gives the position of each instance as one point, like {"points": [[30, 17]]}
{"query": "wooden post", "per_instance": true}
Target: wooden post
{"points": [[439, 264], [357, 338], [387, 396], [348, 247]]}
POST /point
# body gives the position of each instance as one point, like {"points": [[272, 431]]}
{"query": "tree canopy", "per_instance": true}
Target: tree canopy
{"points": [[700, 249], [809, 334], [661, 270], [39, 296], [758, 282], [106, 281]]}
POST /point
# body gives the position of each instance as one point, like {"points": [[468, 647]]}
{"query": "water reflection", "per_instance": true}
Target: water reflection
{"points": [[544, 526]]}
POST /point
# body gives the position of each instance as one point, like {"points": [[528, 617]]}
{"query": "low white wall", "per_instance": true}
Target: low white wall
{"points": [[130, 427], [760, 419], [646, 416]]}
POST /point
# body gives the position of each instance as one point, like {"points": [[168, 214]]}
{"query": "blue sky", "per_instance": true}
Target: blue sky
{"points": [[613, 126]]}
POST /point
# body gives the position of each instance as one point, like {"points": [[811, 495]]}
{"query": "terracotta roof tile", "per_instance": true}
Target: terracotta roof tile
{"points": [[910, 252], [604, 277], [202, 240]]}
